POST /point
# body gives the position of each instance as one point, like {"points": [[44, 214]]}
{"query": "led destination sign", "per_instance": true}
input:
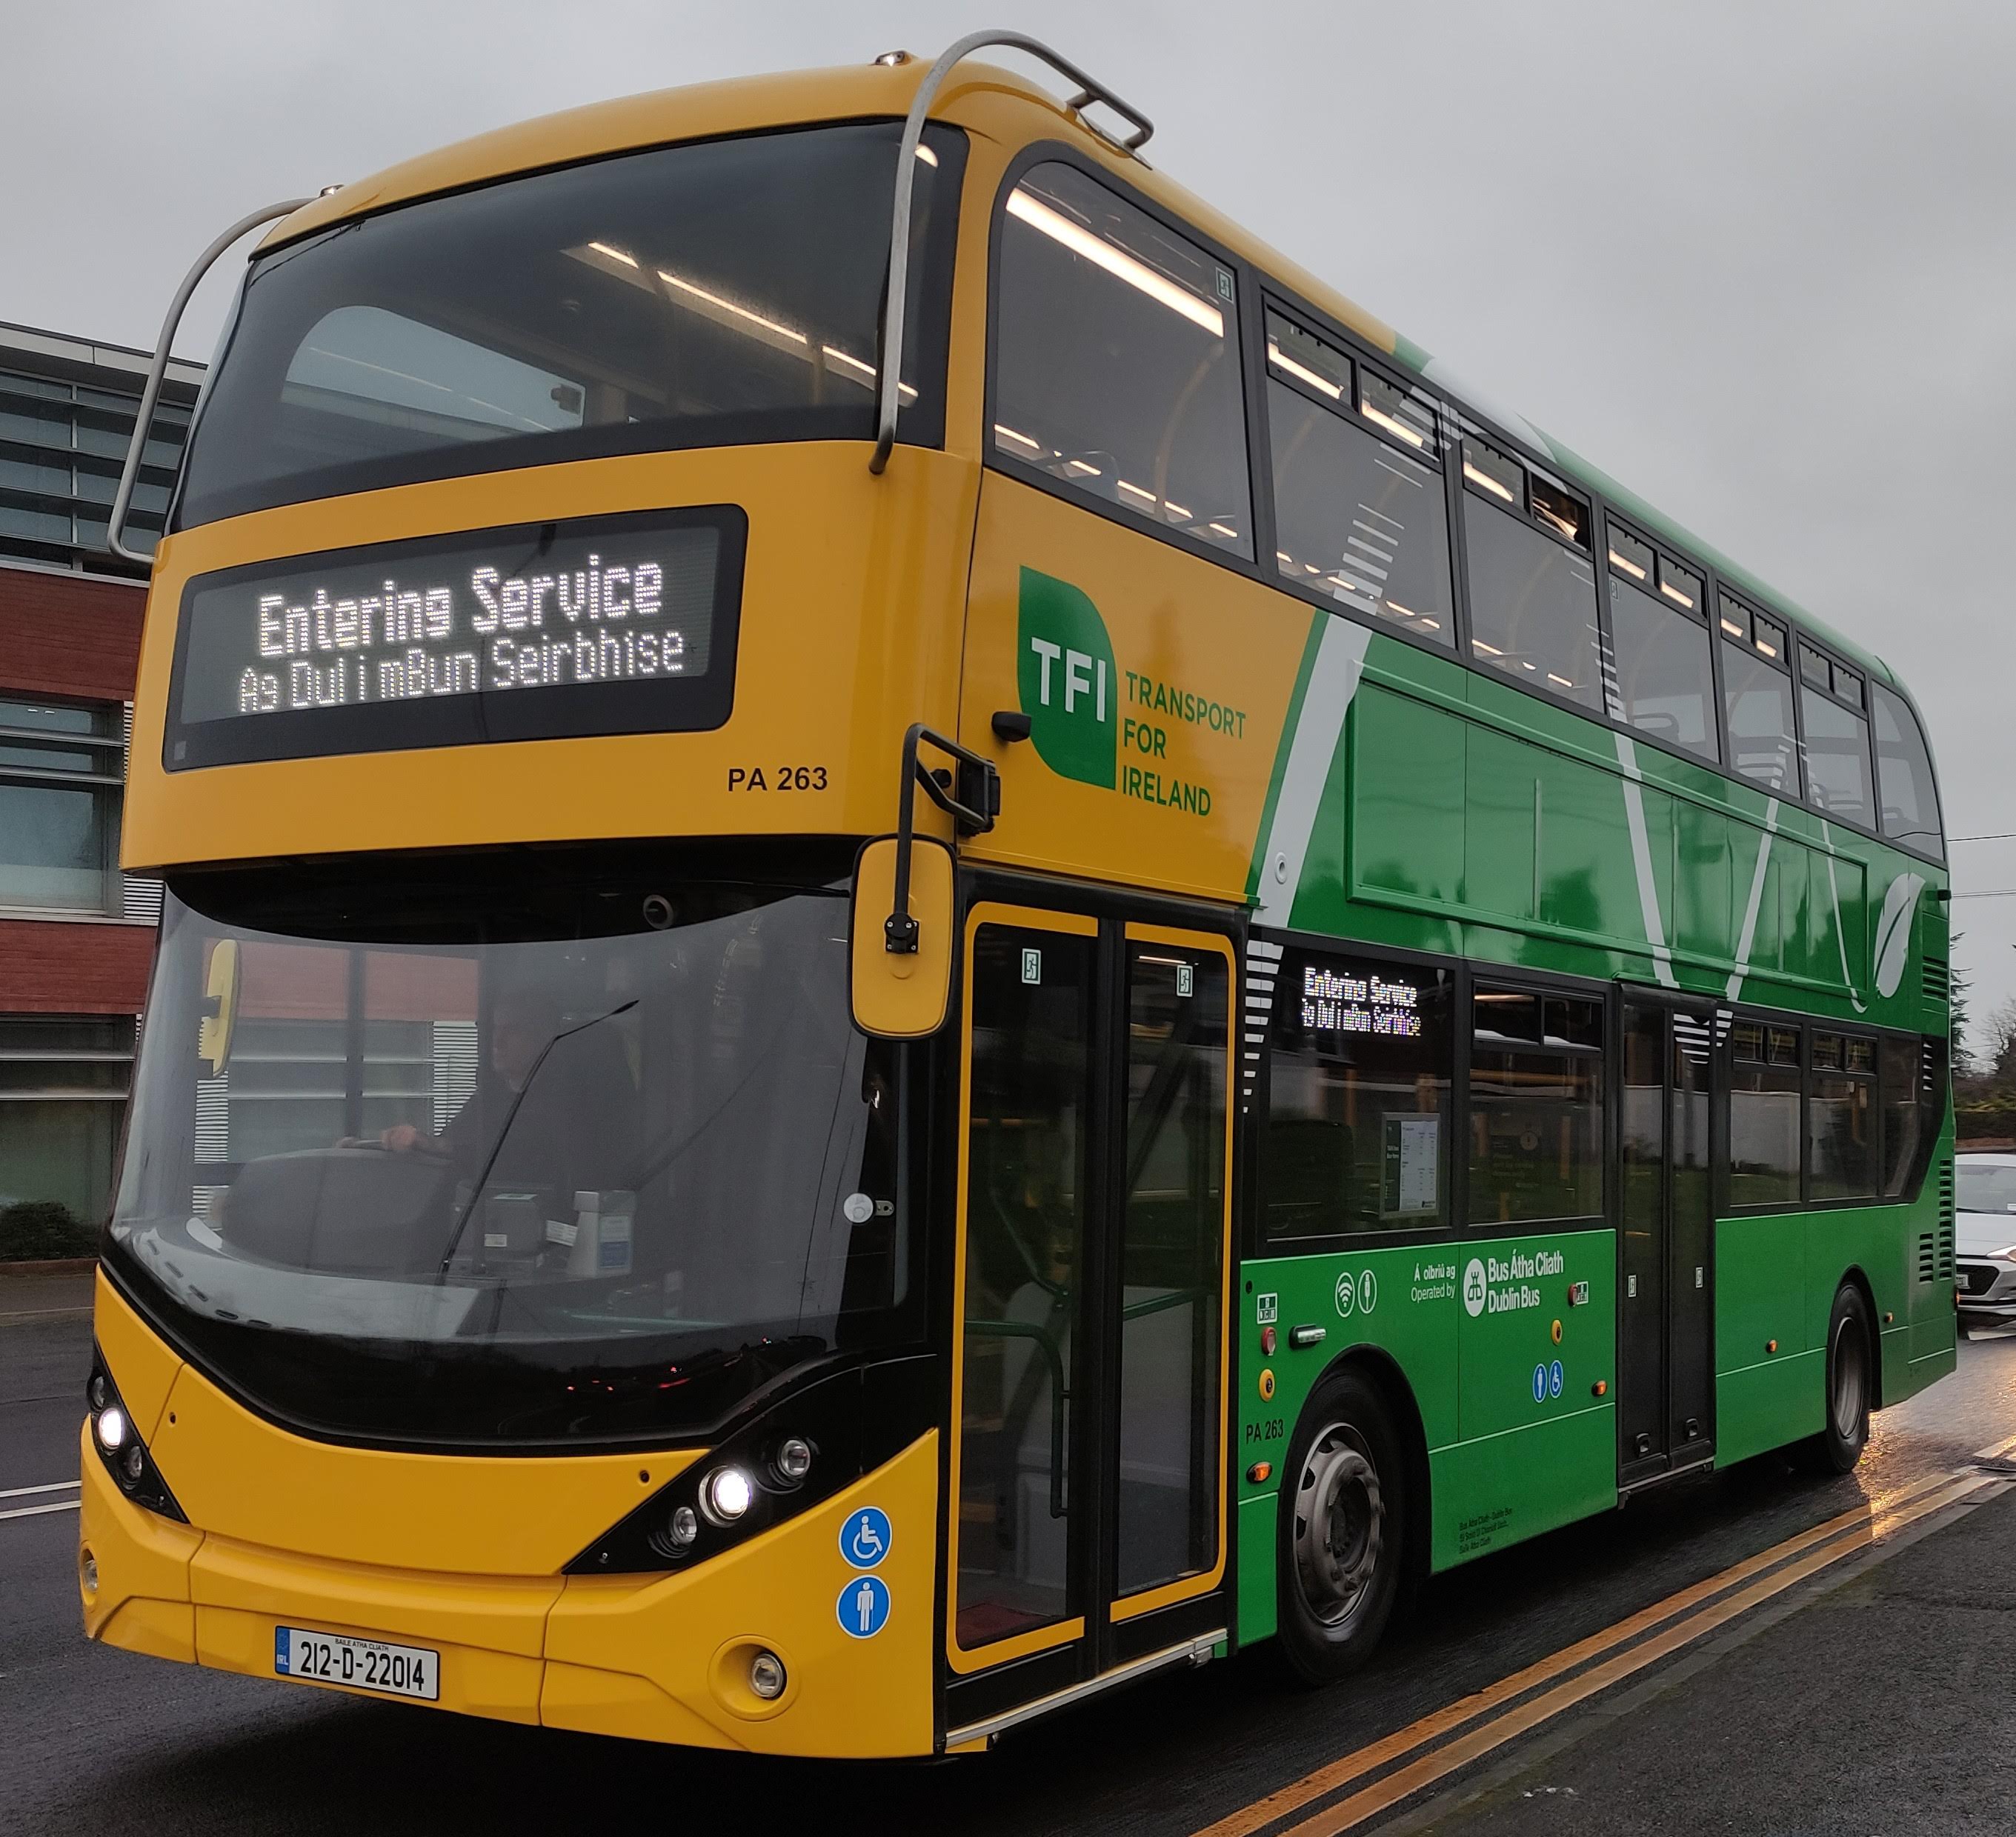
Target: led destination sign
{"points": [[603, 625]]}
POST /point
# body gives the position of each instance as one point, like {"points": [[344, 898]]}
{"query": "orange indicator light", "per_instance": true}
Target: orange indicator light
{"points": [[1770, 1346], [1259, 1471], [1600, 1388]]}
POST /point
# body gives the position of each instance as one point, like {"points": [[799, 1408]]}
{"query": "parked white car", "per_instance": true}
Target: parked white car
{"points": [[1985, 1239]]}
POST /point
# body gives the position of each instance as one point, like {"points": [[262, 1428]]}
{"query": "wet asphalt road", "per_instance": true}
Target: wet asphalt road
{"points": [[1880, 1698]]}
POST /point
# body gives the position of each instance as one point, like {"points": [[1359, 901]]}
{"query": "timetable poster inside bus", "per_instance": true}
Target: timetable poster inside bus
{"points": [[602, 625]]}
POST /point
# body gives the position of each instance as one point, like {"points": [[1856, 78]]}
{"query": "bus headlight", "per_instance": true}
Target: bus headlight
{"points": [[683, 1529], [725, 1494], [120, 1448]]}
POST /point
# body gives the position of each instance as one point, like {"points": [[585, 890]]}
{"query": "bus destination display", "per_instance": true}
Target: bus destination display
{"points": [[533, 631]]}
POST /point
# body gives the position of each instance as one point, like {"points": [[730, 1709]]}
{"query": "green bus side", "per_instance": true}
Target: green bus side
{"points": [[1461, 817]]}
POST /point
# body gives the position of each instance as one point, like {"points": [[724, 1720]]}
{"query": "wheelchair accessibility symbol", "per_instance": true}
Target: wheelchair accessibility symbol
{"points": [[864, 1538], [863, 1606]]}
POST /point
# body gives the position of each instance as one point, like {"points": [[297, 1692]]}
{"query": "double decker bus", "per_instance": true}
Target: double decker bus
{"points": [[929, 940]]}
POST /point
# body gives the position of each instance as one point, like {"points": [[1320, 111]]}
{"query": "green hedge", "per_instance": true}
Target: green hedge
{"points": [[37, 1230]]}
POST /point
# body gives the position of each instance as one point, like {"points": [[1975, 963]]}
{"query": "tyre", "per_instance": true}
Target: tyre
{"points": [[1342, 1536], [1851, 1367]]}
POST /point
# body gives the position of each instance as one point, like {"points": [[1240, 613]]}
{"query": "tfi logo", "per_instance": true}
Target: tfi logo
{"points": [[1064, 678]]}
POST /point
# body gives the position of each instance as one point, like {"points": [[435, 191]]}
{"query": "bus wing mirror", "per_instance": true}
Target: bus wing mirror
{"points": [[220, 1007], [902, 994]]}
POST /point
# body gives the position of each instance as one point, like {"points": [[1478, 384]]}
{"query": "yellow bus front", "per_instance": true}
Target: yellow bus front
{"points": [[516, 1299]]}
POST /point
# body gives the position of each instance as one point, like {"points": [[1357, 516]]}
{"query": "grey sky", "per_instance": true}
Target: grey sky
{"points": [[1753, 259]]}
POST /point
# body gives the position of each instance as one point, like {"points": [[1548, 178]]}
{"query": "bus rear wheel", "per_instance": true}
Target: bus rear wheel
{"points": [[1850, 1369], [1339, 1558]]}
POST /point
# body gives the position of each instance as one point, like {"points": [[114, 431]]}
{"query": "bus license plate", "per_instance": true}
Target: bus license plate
{"points": [[364, 1664]]}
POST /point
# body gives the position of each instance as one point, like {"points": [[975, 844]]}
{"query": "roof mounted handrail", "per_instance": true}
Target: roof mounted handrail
{"points": [[1090, 90], [143, 425]]}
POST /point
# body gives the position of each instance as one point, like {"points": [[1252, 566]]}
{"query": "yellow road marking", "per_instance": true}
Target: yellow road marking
{"points": [[1394, 1787], [1361, 1761]]}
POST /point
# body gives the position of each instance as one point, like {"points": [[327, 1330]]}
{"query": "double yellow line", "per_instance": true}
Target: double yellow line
{"points": [[1510, 1708]]}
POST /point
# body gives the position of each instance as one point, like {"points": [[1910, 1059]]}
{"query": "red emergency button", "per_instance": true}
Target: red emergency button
{"points": [[1268, 1341]]}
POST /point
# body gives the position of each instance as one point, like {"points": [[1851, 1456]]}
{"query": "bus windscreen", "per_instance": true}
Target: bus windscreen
{"points": [[614, 625]]}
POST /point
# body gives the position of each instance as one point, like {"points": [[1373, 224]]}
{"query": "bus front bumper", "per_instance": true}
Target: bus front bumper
{"points": [[663, 1658]]}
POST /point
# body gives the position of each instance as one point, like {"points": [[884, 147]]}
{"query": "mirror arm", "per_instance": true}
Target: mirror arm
{"points": [[973, 802]]}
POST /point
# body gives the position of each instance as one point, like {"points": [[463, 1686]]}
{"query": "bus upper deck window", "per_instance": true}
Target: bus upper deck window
{"points": [[711, 293], [1117, 360], [1532, 584], [1757, 699], [1666, 674], [1360, 517], [1908, 795]]}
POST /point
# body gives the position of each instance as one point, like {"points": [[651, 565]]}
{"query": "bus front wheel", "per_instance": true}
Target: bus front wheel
{"points": [[1850, 1367], [1341, 1542]]}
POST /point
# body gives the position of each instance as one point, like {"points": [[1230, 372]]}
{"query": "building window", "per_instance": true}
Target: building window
{"points": [[1116, 363], [62, 1098], [1764, 1077], [1360, 1058], [1535, 1107], [60, 774]]}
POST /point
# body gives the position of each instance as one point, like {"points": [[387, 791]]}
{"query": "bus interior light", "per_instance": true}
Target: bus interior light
{"points": [[1121, 266], [726, 1494], [1281, 361], [1393, 424], [1488, 482]]}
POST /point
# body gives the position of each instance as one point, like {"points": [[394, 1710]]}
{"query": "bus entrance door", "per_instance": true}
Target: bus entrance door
{"points": [[1086, 1537], [1665, 1331]]}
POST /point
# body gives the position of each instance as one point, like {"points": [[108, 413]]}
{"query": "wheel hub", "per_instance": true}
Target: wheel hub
{"points": [[1340, 1526]]}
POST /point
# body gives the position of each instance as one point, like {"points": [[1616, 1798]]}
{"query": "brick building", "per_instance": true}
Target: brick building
{"points": [[77, 937]]}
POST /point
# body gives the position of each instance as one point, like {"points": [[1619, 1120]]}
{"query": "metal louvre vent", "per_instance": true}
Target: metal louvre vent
{"points": [[139, 894], [1927, 1257], [1937, 975], [1263, 966], [1946, 1230]]}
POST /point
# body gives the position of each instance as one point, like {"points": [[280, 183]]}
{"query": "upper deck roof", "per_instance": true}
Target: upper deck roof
{"points": [[988, 100]]}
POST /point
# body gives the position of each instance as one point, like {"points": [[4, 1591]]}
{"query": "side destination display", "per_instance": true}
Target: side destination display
{"points": [[614, 624]]}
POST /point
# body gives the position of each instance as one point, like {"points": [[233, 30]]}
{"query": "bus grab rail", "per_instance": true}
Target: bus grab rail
{"points": [[144, 422], [888, 380]]}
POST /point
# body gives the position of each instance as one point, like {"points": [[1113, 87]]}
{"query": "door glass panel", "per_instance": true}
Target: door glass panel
{"points": [[1643, 1315], [1172, 1253], [1025, 1219], [1690, 1378]]}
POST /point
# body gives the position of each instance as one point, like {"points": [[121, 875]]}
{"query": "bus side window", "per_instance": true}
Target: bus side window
{"points": [[1535, 1107], [1841, 1117], [1764, 1088], [1532, 584], [1358, 1079], [1757, 699], [1117, 364], [1658, 625], [1360, 516], [1909, 794]]}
